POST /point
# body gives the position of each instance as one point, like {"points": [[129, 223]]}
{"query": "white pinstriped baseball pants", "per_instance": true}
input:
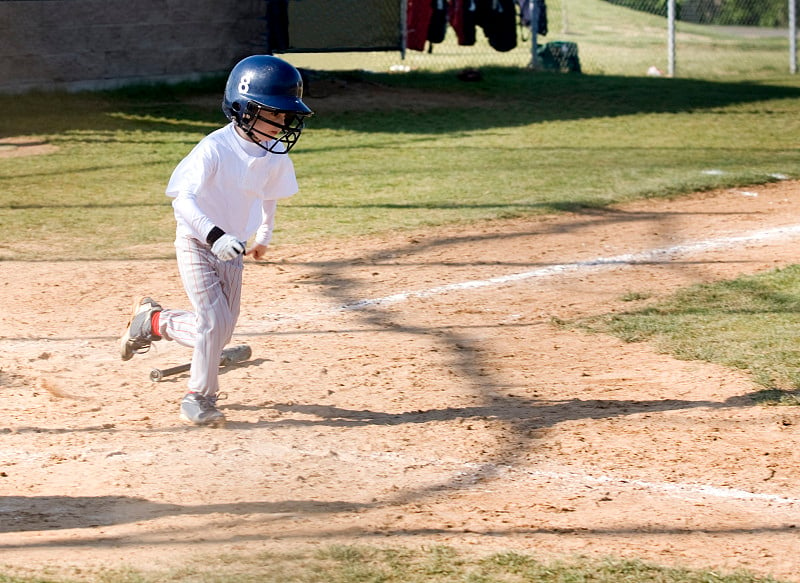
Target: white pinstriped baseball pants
{"points": [[214, 288]]}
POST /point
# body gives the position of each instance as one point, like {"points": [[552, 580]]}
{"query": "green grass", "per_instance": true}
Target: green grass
{"points": [[437, 564], [514, 145], [751, 323], [528, 143]]}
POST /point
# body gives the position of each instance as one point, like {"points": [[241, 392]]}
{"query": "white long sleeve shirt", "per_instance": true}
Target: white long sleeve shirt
{"points": [[229, 182]]}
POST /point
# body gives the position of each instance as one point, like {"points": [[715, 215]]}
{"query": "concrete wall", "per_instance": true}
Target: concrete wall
{"points": [[92, 44]]}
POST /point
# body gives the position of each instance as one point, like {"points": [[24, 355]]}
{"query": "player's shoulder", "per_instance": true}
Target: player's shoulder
{"points": [[213, 144], [218, 137]]}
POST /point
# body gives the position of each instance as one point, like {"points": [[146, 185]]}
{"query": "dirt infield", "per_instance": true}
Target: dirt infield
{"points": [[407, 390]]}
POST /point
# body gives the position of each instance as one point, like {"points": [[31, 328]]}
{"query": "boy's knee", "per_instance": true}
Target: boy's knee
{"points": [[218, 323]]}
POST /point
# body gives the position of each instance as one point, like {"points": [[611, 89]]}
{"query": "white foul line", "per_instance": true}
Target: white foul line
{"points": [[673, 488], [648, 256], [476, 470], [598, 262]]}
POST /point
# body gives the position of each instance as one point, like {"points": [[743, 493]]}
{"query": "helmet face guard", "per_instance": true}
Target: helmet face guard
{"points": [[263, 84], [287, 134]]}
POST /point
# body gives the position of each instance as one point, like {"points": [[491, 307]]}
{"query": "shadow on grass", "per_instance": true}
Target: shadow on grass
{"points": [[777, 397], [507, 97]]}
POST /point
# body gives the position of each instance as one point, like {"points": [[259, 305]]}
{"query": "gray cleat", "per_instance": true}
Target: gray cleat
{"points": [[201, 410], [139, 334]]}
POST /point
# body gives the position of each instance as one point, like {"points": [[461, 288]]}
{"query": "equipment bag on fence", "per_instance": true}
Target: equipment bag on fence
{"points": [[559, 56]]}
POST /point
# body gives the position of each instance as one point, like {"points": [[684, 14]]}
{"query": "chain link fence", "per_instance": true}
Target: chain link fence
{"points": [[748, 39]]}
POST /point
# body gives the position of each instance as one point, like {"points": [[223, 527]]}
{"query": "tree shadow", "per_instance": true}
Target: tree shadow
{"points": [[42, 513], [21, 514], [518, 97], [467, 357], [523, 99]]}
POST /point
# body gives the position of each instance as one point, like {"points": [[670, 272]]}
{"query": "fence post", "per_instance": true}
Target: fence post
{"points": [[671, 38], [403, 27], [534, 11], [793, 36]]}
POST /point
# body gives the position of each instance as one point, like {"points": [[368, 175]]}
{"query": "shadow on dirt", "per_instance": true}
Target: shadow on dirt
{"points": [[51, 513], [42, 513], [469, 357], [519, 417], [525, 415]]}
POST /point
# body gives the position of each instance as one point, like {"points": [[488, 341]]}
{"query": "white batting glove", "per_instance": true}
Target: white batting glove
{"points": [[227, 247]]}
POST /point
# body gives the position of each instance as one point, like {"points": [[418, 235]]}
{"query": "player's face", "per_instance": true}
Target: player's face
{"points": [[275, 131], [266, 123]]}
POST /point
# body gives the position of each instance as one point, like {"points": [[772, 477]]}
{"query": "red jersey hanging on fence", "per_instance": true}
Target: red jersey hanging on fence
{"points": [[462, 19], [418, 21]]}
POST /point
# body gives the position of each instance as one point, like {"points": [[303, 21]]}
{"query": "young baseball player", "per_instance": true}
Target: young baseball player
{"points": [[225, 191]]}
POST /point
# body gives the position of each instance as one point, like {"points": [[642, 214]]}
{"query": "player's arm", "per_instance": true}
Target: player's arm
{"points": [[264, 233], [185, 205], [223, 245]]}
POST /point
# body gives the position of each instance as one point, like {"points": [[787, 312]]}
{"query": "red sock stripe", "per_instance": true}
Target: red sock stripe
{"points": [[154, 322]]}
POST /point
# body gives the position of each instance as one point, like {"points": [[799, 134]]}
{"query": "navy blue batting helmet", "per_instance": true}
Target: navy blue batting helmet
{"points": [[262, 83]]}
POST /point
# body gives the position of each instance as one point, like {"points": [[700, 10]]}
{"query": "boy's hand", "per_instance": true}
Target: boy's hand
{"points": [[257, 252], [227, 247]]}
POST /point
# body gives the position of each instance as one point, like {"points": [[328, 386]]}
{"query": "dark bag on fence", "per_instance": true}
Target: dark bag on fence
{"points": [[500, 24], [437, 29]]}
